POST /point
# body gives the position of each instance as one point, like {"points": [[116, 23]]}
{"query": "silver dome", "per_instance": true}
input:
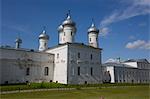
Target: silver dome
{"points": [[93, 29], [43, 35], [68, 21], [18, 40], [60, 28]]}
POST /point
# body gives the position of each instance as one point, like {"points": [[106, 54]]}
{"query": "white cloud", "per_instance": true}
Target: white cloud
{"points": [[138, 44], [104, 31], [134, 8]]}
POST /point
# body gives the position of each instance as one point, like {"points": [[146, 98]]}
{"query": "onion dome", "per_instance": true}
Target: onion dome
{"points": [[68, 21], [60, 28], [18, 40], [93, 29], [43, 35]]}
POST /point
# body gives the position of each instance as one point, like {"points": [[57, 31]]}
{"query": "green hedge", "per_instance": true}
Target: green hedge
{"points": [[58, 85]]}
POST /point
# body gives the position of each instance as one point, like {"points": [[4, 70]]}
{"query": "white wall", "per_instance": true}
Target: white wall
{"points": [[111, 71], [93, 39], [60, 68], [132, 64], [85, 63], [128, 73], [15, 62]]}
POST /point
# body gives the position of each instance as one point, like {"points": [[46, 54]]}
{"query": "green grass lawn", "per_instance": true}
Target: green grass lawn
{"points": [[131, 92]]}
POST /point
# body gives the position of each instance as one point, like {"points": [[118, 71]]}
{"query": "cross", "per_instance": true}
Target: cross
{"points": [[68, 14], [44, 27]]}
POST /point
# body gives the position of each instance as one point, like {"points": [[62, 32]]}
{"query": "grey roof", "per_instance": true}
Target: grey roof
{"points": [[79, 44], [21, 49], [93, 29], [60, 28], [43, 35], [68, 21], [114, 64], [137, 60]]}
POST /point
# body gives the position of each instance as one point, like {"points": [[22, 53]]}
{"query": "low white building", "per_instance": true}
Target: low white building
{"points": [[22, 65], [131, 71]]}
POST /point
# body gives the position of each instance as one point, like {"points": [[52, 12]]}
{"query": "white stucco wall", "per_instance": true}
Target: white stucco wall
{"points": [[85, 63], [129, 73], [132, 64], [68, 34], [65, 69], [14, 64], [111, 71], [60, 68], [93, 39]]}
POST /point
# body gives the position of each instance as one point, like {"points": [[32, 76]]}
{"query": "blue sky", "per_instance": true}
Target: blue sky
{"points": [[124, 24]]}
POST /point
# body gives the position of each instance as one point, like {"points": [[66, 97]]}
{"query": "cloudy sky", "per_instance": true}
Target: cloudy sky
{"points": [[124, 24]]}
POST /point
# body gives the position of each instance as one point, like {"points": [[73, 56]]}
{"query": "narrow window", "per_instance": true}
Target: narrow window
{"points": [[71, 33], [90, 39], [78, 70], [91, 56], [46, 71], [91, 71], [78, 55], [57, 55], [72, 71], [28, 71], [64, 33], [45, 44], [96, 39]]}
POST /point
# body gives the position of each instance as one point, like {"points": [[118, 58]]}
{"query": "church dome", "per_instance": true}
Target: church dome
{"points": [[18, 40], [43, 35], [93, 29], [60, 28], [68, 21]]}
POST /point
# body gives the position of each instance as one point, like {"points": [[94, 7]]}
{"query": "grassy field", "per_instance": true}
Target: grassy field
{"points": [[131, 92]]}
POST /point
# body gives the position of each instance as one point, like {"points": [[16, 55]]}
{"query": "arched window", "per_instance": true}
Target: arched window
{"points": [[46, 70], [28, 71]]}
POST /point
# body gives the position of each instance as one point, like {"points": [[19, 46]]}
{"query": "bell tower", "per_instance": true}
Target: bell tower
{"points": [[43, 40], [18, 42], [93, 35], [67, 30]]}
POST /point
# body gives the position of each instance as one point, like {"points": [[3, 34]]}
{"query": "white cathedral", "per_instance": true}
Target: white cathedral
{"points": [[68, 62]]}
